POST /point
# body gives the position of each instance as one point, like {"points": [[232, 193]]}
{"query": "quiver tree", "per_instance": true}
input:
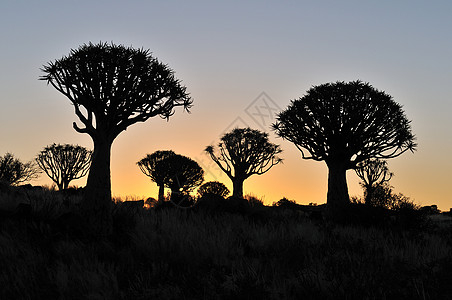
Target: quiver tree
{"points": [[112, 87], [155, 167], [344, 124], [373, 173], [213, 187], [14, 172], [64, 163], [242, 153], [179, 173]]}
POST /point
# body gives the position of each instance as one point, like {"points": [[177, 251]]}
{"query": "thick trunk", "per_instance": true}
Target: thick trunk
{"points": [[337, 197], [96, 201], [369, 193], [161, 197], [237, 187]]}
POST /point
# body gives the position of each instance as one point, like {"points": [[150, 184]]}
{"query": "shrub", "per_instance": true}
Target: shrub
{"points": [[254, 201], [213, 187], [286, 203]]}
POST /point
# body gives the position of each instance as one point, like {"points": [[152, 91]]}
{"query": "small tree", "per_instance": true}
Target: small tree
{"points": [[344, 124], [373, 173], [242, 153], [179, 173], [155, 166], [64, 163], [112, 87], [14, 172], [213, 187]]}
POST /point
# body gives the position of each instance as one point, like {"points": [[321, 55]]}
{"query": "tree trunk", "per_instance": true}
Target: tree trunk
{"points": [[337, 197], [96, 201], [161, 197], [369, 191], [65, 184], [237, 187]]}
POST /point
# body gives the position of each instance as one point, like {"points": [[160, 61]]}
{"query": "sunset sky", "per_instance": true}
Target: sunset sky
{"points": [[236, 57]]}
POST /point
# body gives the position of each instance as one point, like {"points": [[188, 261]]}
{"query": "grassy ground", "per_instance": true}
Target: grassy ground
{"points": [[263, 253]]}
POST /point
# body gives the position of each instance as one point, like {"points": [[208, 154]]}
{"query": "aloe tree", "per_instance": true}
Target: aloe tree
{"points": [[112, 87], [155, 167], [373, 173], [167, 169], [244, 152], [64, 163], [344, 124]]}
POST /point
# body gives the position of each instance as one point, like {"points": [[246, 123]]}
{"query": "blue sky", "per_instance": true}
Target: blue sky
{"points": [[227, 54]]}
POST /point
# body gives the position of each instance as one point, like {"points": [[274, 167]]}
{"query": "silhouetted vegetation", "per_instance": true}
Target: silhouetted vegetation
{"points": [[112, 87], [244, 152], [344, 124], [179, 173], [154, 166], [64, 163], [286, 203], [79, 243], [14, 172], [213, 187], [231, 250], [373, 173]]}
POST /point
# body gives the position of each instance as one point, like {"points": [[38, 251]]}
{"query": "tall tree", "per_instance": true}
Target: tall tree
{"points": [[179, 173], [112, 87], [344, 124], [64, 163], [373, 173], [242, 153], [14, 172]]}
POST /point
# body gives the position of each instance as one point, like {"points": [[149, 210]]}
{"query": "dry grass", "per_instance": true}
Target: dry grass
{"points": [[186, 254]]}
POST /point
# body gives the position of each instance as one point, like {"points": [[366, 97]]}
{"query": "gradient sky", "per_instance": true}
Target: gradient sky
{"points": [[228, 54]]}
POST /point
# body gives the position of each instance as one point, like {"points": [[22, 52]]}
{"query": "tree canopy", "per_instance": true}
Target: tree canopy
{"points": [[116, 86], [242, 153]]}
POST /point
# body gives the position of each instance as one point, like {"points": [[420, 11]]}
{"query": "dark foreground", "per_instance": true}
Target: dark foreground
{"points": [[260, 253]]}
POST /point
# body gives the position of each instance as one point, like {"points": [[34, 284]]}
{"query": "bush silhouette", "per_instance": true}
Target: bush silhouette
{"points": [[217, 204], [14, 172], [213, 187]]}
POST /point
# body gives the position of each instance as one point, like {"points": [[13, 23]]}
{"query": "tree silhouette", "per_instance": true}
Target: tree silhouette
{"points": [[179, 173], [344, 124], [111, 88], [156, 167], [373, 172], [213, 187], [64, 163], [242, 153], [14, 172]]}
